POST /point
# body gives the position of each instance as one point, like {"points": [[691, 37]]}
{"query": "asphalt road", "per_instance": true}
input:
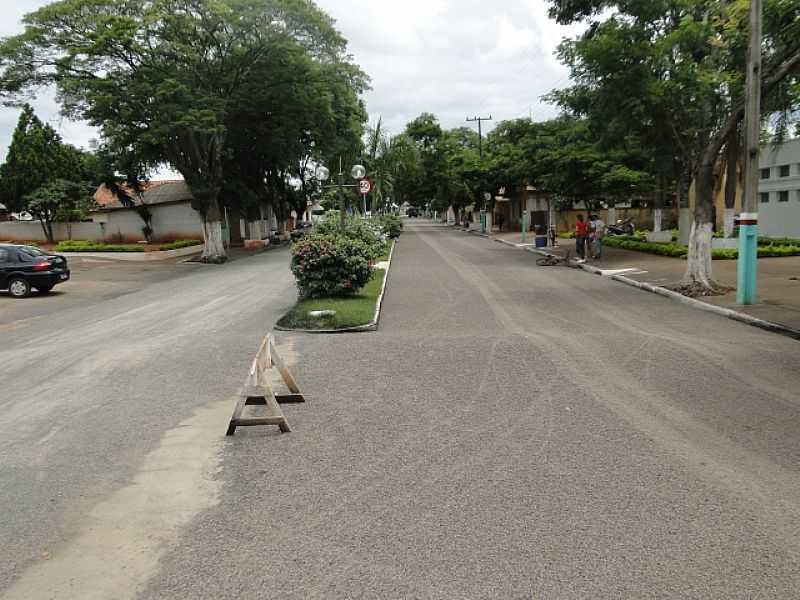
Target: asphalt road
{"points": [[93, 281], [509, 432], [92, 394]]}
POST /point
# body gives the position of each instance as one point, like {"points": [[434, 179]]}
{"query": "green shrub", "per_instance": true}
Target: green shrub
{"points": [[391, 225], [768, 241], [629, 242], [178, 244], [330, 265], [567, 235], [366, 232], [86, 246], [724, 254]]}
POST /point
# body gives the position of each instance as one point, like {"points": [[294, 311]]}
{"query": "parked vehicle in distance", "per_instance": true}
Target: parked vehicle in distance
{"points": [[621, 227], [23, 268], [301, 229], [412, 212]]}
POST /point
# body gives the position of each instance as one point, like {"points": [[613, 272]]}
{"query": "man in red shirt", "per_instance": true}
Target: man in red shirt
{"points": [[581, 235]]}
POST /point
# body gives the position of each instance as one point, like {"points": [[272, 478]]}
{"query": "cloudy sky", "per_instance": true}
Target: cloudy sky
{"points": [[454, 58]]}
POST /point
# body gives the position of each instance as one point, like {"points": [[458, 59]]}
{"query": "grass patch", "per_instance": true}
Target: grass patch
{"points": [[178, 244], [351, 311], [84, 246]]}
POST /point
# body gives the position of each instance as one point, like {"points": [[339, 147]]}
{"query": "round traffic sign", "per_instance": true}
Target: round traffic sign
{"points": [[365, 186]]}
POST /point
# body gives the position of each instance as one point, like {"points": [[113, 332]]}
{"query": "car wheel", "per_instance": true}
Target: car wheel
{"points": [[45, 289], [19, 288]]}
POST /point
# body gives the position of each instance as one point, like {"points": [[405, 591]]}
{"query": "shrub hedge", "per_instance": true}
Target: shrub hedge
{"points": [[178, 244], [771, 248], [86, 246], [391, 225], [330, 265]]}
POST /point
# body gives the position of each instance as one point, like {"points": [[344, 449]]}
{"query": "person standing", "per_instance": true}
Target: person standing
{"points": [[598, 232], [581, 235]]}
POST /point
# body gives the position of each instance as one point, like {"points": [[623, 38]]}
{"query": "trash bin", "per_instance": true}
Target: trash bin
{"points": [[541, 241]]}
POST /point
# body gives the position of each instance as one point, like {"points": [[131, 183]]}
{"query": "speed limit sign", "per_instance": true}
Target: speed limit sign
{"points": [[365, 186]]}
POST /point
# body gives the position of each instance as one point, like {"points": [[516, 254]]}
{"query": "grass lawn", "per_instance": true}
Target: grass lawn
{"points": [[350, 312]]}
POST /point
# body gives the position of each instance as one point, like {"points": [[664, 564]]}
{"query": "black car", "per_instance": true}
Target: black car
{"points": [[26, 267], [412, 212]]}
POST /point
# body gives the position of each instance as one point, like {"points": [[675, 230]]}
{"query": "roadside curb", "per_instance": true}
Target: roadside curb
{"points": [[692, 302], [371, 326], [712, 308]]}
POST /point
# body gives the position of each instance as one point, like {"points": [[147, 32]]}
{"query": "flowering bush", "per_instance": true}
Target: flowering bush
{"points": [[391, 225], [330, 265], [366, 232]]}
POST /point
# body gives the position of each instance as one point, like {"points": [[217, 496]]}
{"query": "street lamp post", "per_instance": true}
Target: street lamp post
{"points": [[358, 172]]}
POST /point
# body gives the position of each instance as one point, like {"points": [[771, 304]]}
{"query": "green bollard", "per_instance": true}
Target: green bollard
{"points": [[524, 226], [747, 267]]}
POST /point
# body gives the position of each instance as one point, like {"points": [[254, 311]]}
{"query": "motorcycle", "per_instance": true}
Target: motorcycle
{"points": [[622, 227]]}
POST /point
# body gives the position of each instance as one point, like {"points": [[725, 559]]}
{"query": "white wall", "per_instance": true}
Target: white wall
{"points": [[177, 221], [780, 219], [31, 231], [170, 222]]}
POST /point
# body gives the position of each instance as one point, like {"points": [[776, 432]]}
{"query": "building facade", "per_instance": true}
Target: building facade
{"points": [[779, 190]]}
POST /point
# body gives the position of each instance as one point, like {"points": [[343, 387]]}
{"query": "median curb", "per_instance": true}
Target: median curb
{"points": [[371, 326], [678, 297]]}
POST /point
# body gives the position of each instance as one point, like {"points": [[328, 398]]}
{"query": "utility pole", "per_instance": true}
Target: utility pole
{"points": [[746, 290], [479, 121]]}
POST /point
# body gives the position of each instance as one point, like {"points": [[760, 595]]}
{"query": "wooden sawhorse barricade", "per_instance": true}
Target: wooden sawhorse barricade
{"points": [[257, 391]]}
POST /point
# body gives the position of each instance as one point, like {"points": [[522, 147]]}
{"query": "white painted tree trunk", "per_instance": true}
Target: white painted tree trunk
{"points": [[612, 215], [214, 247], [657, 220], [728, 225], [698, 268], [255, 230]]}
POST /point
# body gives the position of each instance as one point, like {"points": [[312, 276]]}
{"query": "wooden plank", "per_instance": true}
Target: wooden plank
{"points": [[290, 398], [237, 413], [257, 421], [284, 371], [257, 391]]}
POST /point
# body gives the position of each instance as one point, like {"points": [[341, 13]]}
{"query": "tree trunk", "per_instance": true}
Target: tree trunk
{"points": [[46, 228], [214, 245], [731, 182], [698, 268], [659, 204]]}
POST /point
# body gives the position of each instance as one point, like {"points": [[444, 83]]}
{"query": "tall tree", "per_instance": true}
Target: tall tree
{"points": [[688, 61], [36, 154], [160, 78], [44, 175]]}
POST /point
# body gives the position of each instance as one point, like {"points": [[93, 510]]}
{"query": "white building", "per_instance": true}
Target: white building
{"points": [[779, 206]]}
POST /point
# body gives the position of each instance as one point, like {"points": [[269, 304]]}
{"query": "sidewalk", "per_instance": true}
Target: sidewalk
{"points": [[778, 278]]}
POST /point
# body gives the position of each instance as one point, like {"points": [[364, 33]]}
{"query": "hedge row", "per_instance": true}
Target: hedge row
{"points": [[84, 246], [632, 243], [178, 244], [332, 263], [771, 248]]}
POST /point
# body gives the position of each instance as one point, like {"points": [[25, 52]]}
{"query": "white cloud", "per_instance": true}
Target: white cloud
{"points": [[452, 58]]}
